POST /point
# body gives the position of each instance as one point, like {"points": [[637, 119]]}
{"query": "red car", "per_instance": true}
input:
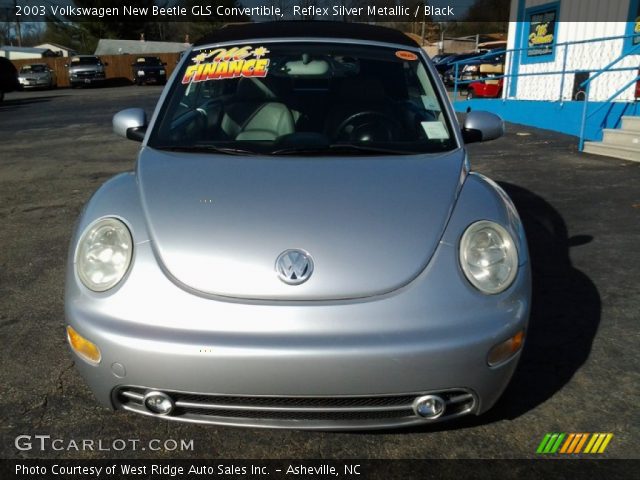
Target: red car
{"points": [[486, 89]]}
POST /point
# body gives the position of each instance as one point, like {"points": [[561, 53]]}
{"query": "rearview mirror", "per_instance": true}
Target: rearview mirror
{"points": [[130, 123], [482, 126]]}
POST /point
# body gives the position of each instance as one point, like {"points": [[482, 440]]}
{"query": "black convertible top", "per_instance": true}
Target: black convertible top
{"points": [[302, 29]]}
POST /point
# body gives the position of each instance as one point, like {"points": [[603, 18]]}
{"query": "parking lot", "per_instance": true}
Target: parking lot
{"points": [[579, 371]]}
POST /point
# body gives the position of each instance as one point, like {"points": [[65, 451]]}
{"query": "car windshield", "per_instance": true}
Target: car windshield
{"points": [[85, 61], [33, 69], [311, 98], [148, 61]]}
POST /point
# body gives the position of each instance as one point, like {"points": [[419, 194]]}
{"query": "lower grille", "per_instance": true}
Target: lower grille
{"points": [[313, 412], [88, 75]]}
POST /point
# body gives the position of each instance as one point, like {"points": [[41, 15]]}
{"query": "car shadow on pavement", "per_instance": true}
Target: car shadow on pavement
{"points": [[117, 82], [565, 311], [14, 103], [565, 315]]}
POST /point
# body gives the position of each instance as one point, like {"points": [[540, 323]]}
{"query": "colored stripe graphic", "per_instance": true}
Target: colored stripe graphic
{"points": [[581, 443], [605, 443], [573, 443], [599, 443], [567, 443], [543, 443]]}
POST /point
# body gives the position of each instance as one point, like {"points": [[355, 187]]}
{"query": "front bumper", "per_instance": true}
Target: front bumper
{"points": [[150, 77], [431, 336], [34, 82], [87, 79]]}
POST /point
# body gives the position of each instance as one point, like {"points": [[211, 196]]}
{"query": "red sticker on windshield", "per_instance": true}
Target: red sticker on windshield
{"points": [[227, 63], [404, 55]]}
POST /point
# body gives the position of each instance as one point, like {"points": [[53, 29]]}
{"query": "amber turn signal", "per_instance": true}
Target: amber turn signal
{"points": [[87, 350], [505, 350]]}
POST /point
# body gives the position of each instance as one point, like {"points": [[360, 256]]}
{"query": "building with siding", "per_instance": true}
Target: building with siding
{"points": [[20, 53], [573, 66], [551, 25], [107, 46], [59, 50]]}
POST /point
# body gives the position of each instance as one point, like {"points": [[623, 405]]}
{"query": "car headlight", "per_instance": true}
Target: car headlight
{"points": [[103, 254], [488, 257]]}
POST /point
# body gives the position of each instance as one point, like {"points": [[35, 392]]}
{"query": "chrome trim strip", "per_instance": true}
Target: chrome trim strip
{"points": [[328, 424], [214, 406], [132, 395], [460, 398]]}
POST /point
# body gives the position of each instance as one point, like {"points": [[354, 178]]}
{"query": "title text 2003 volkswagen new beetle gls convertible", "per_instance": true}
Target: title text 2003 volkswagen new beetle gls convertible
{"points": [[302, 243]]}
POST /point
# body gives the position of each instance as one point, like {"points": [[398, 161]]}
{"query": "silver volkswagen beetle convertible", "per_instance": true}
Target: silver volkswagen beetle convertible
{"points": [[302, 243]]}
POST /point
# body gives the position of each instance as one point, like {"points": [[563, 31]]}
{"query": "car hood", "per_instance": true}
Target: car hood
{"points": [[217, 223], [33, 75], [86, 68]]}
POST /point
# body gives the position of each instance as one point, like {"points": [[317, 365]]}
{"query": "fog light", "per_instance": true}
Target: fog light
{"points": [[87, 350], [158, 402], [505, 350], [429, 406]]}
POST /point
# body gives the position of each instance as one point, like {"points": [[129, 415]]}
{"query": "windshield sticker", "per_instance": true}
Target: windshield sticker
{"points": [[429, 103], [435, 130], [225, 63], [404, 55]]}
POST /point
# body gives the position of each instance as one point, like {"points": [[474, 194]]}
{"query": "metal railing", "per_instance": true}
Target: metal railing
{"points": [[512, 55]]}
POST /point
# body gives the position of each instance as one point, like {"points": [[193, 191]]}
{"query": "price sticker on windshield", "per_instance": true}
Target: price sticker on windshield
{"points": [[435, 130]]}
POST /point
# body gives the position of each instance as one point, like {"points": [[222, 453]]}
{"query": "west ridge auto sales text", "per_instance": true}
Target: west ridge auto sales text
{"points": [[177, 470]]}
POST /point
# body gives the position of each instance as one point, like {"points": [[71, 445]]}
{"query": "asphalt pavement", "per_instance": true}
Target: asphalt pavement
{"points": [[579, 371]]}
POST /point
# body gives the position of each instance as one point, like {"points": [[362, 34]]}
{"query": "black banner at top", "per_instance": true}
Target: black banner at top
{"points": [[374, 11]]}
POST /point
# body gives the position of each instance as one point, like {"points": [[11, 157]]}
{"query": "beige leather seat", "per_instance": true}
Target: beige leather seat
{"points": [[255, 114]]}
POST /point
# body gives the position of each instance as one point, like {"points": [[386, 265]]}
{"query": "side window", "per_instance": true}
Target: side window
{"points": [[427, 94]]}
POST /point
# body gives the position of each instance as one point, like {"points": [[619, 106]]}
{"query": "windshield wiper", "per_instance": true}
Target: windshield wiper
{"points": [[206, 148], [340, 147], [370, 149]]}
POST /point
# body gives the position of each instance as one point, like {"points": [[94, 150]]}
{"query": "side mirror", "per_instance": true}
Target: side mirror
{"points": [[130, 123], [482, 126]]}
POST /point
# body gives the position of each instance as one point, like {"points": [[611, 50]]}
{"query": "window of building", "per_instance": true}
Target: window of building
{"points": [[540, 33], [633, 27]]}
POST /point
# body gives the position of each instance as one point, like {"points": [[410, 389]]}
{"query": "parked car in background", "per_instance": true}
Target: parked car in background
{"points": [[477, 68], [446, 67], [8, 77], [37, 75], [86, 70], [440, 57], [469, 67], [486, 89], [149, 70], [302, 243]]}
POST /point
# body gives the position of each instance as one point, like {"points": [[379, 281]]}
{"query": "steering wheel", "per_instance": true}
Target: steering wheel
{"points": [[368, 126]]}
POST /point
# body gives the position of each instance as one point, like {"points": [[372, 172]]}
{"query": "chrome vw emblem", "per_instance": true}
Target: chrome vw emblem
{"points": [[294, 267]]}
